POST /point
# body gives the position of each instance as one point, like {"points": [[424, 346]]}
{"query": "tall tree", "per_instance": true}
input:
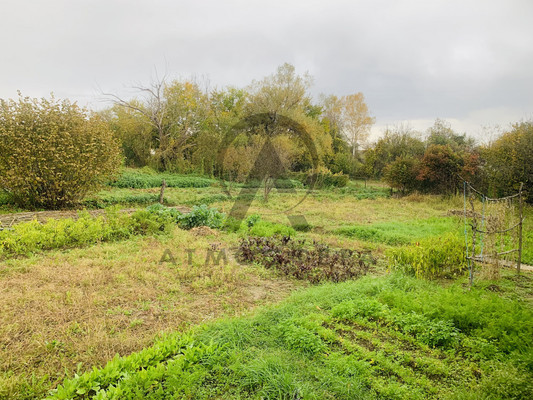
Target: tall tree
{"points": [[441, 133], [287, 93], [281, 92], [349, 117], [356, 120], [397, 142], [509, 161], [176, 112]]}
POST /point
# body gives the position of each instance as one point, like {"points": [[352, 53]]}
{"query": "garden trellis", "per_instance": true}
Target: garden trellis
{"points": [[495, 237]]}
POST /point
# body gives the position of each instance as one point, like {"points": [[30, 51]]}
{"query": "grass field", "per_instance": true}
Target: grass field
{"points": [[64, 311], [387, 337]]}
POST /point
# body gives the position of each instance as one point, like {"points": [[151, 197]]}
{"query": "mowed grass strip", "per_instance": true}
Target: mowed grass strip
{"points": [[69, 310], [391, 337]]}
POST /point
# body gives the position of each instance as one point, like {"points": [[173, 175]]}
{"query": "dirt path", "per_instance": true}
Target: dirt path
{"points": [[507, 263], [8, 220]]}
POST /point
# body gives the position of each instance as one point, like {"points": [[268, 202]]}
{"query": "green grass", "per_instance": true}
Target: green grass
{"points": [[367, 339], [146, 178], [398, 233], [391, 337]]}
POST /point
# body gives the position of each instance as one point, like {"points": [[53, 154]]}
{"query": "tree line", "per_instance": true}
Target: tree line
{"points": [[178, 126], [53, 152]]}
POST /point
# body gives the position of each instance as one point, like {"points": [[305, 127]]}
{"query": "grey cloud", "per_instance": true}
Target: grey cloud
{"points": [[413, 60]]}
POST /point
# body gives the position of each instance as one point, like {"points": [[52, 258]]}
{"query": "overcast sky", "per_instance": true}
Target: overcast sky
{"points": [[469, 62]]}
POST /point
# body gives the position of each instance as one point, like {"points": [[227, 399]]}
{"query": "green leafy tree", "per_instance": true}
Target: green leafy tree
{"points": [[282, 92], [397, 142], [287, 93], [509, 161], [136, 135], [438, 169], [52, 153], [441, 133], [186, 118], [225, 110], [401, 174]]}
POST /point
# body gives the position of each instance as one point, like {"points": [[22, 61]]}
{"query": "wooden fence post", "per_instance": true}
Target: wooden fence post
{"points": [[163, 186]]}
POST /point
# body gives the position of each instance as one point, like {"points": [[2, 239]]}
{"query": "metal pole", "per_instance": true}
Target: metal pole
{"points": [[474, 231], [520, 214]]}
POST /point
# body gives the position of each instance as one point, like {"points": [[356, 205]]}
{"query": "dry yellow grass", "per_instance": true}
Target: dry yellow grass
{"points": [[74, 309]]}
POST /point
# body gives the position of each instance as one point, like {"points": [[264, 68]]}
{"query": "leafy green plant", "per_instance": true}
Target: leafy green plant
{"points": [[301, 339], [268, 229], [251, 220], [111, 199], [31, 237], [439, 333], [165, 212], [365, 307], [202, 216], [431, 258]]}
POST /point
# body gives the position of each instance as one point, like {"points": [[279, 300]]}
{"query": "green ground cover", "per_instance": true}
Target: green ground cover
{"points": [[389, 337]]}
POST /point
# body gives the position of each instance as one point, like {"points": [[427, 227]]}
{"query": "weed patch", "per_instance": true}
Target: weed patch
{"points": [[31, 237]]}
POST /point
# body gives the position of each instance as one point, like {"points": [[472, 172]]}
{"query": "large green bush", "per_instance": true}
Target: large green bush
{"points": [[509, 161], [401, 174], [52, 153], [202, 216]]}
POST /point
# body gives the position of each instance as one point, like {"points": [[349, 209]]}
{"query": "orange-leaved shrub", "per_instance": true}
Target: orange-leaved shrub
{"points": [[53, 152]]}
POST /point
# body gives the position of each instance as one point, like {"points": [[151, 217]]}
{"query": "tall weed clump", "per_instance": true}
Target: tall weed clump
{"points": [[431, 258]]}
